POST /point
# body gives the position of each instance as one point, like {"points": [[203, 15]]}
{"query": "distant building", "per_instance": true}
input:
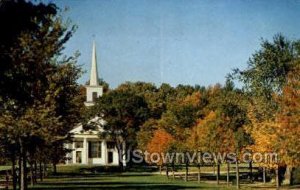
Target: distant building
{"points": [[87, 147]]}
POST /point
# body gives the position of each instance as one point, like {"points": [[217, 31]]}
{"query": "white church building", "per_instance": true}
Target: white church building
{"points": [[87, 147]]}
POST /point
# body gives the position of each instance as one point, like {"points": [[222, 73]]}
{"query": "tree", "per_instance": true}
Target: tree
{"points": [[146, 133], [222, 129], [266, 74], [34, 107], [288, 123], [159, 145], [64, 93], [181, 115], [124, 113], [155, 98], [233, 115], [201, 137], [264, 138], [265, 78]]}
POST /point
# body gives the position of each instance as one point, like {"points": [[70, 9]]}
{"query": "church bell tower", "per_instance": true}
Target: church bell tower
{"points": [[93, 90]]}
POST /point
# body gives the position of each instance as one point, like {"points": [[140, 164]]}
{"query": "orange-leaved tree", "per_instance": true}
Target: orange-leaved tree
{"points": [[158, 146], [288, 123]]}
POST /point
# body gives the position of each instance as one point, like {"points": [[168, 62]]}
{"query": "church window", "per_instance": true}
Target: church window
{"points": [[78, 144], [111, 145], [94, 96], [78, 157], [95, 149]]}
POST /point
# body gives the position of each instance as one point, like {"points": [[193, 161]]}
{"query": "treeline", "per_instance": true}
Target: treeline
{"points": [[40, 102], [262, 116], [39, 97]]}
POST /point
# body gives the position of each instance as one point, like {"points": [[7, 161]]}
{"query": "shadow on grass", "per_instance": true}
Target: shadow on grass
{"points": [[119, 174], [115, 185], [115, 181]]}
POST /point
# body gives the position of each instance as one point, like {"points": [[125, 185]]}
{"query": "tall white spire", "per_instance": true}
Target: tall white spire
{"points": [[94, 72], [93, 90]]}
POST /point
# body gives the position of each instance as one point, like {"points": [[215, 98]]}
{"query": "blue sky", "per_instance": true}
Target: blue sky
{"points": [[174, 41]]}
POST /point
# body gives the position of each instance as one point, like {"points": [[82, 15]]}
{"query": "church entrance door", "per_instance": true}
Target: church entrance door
{"points": [[110, 157]]}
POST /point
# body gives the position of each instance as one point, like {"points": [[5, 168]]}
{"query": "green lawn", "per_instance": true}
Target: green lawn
{"points": [[74, 178], [4, 168], [133, 181], [120, 181], [70, 177]]}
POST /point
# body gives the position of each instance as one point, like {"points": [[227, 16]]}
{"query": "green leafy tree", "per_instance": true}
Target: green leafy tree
{"points": [[266, 73], [124, 113], [35, 107], [264, 79]]}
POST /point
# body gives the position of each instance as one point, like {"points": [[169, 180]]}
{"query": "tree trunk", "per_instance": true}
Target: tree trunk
{"points": [[250, 171], [160, 169], [6, 180], [23, 169], [199, 173], [214, 169], [237, 174], [277, 177], [13, 168], [121, 147], [186, 171], [54, 168], [218, 173], [167, 171], [19, 171], [40, 171], [31, 174], [35, 172], [25, 172], [264, 174], [288, 176], [228, 170], [291, 176], [45, 170], [173, 170], [120, 152], [292, 173]]}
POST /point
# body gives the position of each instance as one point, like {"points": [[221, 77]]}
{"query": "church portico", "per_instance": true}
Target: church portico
{"points": [[92, 150]]}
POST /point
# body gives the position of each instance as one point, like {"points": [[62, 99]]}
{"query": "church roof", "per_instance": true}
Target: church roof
{"points": [[79, 128]]}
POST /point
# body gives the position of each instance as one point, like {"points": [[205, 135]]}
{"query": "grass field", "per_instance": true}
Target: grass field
{"points": [[120, 181], [134, 181], [72, 178]]}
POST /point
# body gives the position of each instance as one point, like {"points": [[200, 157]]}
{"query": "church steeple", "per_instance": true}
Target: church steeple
{"points": [[93, 90], [94, 70]]}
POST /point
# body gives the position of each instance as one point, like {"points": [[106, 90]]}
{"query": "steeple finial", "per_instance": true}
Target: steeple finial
{"points": [[94, 72]]}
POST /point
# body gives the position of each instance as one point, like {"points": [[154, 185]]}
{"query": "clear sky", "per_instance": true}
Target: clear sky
{"points": [[175, 41]]}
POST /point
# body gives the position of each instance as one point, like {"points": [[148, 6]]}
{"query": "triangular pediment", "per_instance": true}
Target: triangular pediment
{"points": [[98, 127]]}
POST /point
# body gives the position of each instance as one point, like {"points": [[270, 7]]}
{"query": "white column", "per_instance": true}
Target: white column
{"points": [[66, 145], [124, 154], [73, 153], [87, 151], [84, 151], [103, 152]]}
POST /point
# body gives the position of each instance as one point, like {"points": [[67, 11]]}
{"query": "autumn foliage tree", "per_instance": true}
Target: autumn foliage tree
{"points": [[264, 81], [288, 123], [38, 86], [222, 130], [159, 145]]}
